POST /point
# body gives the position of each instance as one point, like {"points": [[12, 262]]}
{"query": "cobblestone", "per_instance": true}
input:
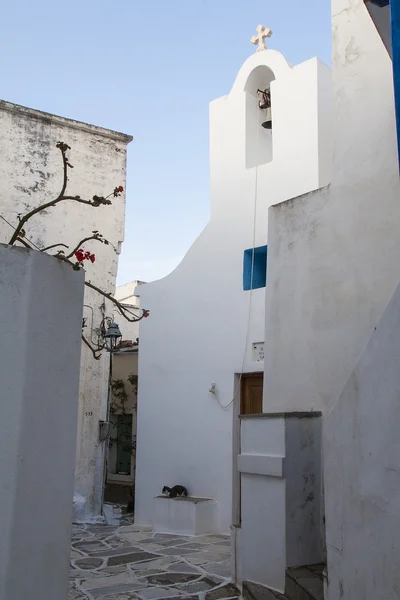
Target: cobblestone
{"points": [[129, 563]]}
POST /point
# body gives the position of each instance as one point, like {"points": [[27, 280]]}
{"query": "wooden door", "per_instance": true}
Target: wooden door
{"points": [[251, 397]]}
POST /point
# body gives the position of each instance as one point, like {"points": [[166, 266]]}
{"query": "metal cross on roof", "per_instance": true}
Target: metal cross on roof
{"points": [[259, 39]]}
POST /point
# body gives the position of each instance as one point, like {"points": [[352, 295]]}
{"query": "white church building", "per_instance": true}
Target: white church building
{"points": [[269, 370], [201, 353]]}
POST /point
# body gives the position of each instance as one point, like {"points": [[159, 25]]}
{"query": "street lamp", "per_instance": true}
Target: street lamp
{"points": [[112, 336]]}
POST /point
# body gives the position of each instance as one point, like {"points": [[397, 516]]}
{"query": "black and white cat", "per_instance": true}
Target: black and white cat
{"points": [[178, 491]]}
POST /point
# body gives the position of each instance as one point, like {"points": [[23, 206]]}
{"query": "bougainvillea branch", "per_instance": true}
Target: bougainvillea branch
{"points": [[53, 246], [96, 236], [24, 243], [80, 254], [96, 200], [125, 312], [96, 351]]}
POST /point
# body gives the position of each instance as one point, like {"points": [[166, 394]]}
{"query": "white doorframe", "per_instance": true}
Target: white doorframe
{"points": [[236, 519]]}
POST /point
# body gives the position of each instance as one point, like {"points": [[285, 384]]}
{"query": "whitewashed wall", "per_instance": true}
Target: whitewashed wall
{"points": [[362, 451], [127, 294], [199, 315], [333, 255], [280, 465], [31, 173], [333, 266], [40, 323]]}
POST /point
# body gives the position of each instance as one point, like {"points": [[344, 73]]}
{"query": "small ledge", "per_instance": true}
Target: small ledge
{"points": [[185, 516], [284, 415], [260, 464], [190, 499], [32, 113]]}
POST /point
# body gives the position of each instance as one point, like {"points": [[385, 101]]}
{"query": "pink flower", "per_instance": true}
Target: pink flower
{"points": [[117, 191], [79, 255]]}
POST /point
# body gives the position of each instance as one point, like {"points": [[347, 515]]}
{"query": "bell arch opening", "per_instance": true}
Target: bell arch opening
{"points": [[259, 115]]}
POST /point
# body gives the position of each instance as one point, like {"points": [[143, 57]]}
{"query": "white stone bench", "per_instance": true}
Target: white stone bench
{"points": [[185, 516]]}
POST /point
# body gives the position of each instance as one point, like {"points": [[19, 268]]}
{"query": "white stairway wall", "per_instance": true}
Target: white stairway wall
{"points": [[362, 471], [333, 254], [40, 323]]}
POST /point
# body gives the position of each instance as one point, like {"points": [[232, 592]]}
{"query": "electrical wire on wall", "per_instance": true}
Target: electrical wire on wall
{"points": [[258, 125]]}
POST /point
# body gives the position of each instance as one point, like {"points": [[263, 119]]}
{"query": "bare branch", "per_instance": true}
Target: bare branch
{"points": [[95, 351], [19, 236], [24, 243], [96, 236], [63, 148], [29, 215], [122, 309], [96, 201], [53, 246]]}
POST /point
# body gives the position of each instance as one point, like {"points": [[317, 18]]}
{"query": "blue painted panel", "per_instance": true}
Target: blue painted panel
{"points": [[380, 3], [259, 268], [395, 17]]}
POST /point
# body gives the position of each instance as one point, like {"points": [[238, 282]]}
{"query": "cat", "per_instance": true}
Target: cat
{"points": [[178, 491]]}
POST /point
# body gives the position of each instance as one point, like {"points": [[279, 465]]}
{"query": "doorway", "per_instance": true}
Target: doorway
{"points": [[251, 393], [248, 401]]}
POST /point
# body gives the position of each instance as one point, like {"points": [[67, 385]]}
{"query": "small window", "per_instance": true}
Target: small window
{"points": [[256, 266]]}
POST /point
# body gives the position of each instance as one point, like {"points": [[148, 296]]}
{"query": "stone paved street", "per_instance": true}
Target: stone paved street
{"points": [[128, 563]]}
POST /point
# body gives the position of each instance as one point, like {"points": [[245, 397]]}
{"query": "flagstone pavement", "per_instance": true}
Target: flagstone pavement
{"points": [[128, 562]]}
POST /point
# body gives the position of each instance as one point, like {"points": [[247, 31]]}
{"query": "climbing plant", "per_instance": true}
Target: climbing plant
{"points": [[122, 437], [77, 255]]}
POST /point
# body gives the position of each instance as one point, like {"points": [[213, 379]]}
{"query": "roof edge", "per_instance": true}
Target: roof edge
{"points": [[44, 116]]}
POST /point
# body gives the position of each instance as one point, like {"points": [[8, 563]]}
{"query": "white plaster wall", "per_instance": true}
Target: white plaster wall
{"points": [[127, 294], [263, 499], [40, 321], [333, 254], [30, 173], [185, 517], [199, 315], [280, 466], [333, 266], [362, 469]]}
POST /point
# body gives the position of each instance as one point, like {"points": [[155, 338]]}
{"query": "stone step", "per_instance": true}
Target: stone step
{"points": [[256, 591], [302, 583], [305, 583]]}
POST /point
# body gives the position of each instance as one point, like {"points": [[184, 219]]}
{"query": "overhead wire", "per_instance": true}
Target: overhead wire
{"points": [[258, 125]]}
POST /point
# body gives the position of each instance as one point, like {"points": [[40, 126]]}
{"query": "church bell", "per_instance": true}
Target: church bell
{"points": [[267, 124], [265, 104]]}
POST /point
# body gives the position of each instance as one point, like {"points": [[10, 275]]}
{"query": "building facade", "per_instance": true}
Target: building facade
{"points": [[321, 484], [31, 173], [201, 352]]}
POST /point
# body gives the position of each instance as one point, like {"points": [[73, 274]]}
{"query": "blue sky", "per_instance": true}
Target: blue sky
{"points": [[150, 69]]}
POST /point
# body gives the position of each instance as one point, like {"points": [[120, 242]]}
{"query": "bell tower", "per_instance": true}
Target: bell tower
{"points": [[277, 119], [264, 95]]}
